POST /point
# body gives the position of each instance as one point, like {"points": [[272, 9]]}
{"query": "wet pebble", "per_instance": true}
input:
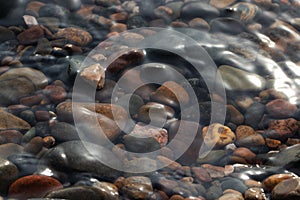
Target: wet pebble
{"points": [[6, 34], [63, 132], [33, 186], [221, 4], [76, 36], [235, 79], [255, 194], [224, 24], [83, 156], [71, 5], [8, 173], [270, 182], [287, 189], [243, 155], [31, 35], [235, 115], [245, 11], [34, 146], [234, 184], [195, 9], [9, 121], [56, 93], [137, 187], [274, 108], [26, 163], [78, 193], [254, 114], [10, 136], [94, 75], [231, 194], [30, 81]]}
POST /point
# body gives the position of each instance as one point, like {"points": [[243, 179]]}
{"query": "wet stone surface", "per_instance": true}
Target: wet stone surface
{"points": [[153, 127]]}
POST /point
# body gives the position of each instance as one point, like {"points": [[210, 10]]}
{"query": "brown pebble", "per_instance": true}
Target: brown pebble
{"points": [[177, 197], [56, 93], [35, 6], [243, 131], [271, 94], [118, 27], [10, 136], [232, 195], [214, 171], [280, 108], [270, 182], [170, 164], [72, 49], [34, 146], [119, 17], [282, 129], [201, 175], [32, 100], [250, 183], [235, 115], [292, 141], [33, 186], [75, 35], [42, 115], [287, 189], [272, 143], [255, 194], [179, 24], [119, 182], [245, 153], [199, 23], [31, 35], [94, 75]]}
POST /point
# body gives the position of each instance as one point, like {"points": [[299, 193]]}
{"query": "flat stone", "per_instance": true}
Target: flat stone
{"points": [[25, 81], [33, 186], [75, 35], [83, 156], [239, 80], [201, 175], [78, 193], [10, 121], [234, 184], [137, 187], [254, 114], [232, 195], [286, 156], [280, 108], [245, 154]]}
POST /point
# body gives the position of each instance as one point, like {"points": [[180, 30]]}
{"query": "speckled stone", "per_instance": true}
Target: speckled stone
{"points": [[282, 129], [75, 35], [33, 186]]}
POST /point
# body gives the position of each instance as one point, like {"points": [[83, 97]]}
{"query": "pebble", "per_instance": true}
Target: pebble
{"points": [[42, 115], [199, 23], [83, 156], [94, 75], [245, 11], [274, 108], [53, 10], [287, 189], [201, 175], [63, 132], [32, 100], [246, 136], [235, 79], [137, 187], [26, 163], [10, 121], [30, 81], [10, 136], [31, 35], [244, 154], [142, 166], [221, 4], [236, 116], [270, 182], [28, 116], [272, 94], [217, 135], [8, 174], [282, 129], [141, 144], [231, 194], [254, 114], [72, 5], [110, 190], [234, 184], [195, 9], [111, 119], [118, 27], [33, 186], [171, 93], [78, 193], [34, 146], [225, 24], [76, 36]]}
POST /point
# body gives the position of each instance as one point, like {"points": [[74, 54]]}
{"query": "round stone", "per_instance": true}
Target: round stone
{"points": [[33, 186], [236, 116], [221, 4], [270, 182], [10, 136], [287, 189], [9, 149], [275, 108], [63, 132]]}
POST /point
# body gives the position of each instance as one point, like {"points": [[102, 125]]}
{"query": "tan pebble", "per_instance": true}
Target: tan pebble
{"points": [[176, 197], [253, 183], [94, 75], [118, 27], [255, 194], [122, 16]]}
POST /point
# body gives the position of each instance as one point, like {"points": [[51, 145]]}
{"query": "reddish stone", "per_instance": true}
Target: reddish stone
{"points": [[34, 146], [33, 186], [56, 93], [10, 136], [42, 115], [31, 35], [245, 153], [32, 100], [118, 27], [201, 175], [214, 171], [122, 16], [280, 108], [270, 182], [282, 129]]}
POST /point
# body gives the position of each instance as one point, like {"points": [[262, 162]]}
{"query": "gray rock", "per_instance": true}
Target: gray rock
{"points": [[63, 132]]}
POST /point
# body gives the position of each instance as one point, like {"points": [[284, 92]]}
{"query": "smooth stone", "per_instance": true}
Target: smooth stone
{"points": [[282, 129], [140, 166], [8, 173], [109, 189], [31, 35], [226, 24], [243, 102], [9, 149], [270, 182], [166, 185], [243, 155], [214, 192], [136, 21], [254, 114], [155, 113], [63, 132], [141, 144], [33, 186], [287, 190], [53, 10], [71, 5], [217, 135], [79, 193], [272, 94], [6, 34], [77, 36], [111, 118], [285, 158], [10, 136], [221, 4], [83, 156], [239, 80], [132, 103], [28, 116], [280, 108], [215, 157], [236, 116], [195, 9], [251, 141], [175, 6], [26, 163], [52, 23], [94, 75], [199, 23], [243, 131], [255, 193], [172, 94], [34, 146], [128, 57], [30, 81], [232, 195], [137, 187], [183, 131], [159, 73], [214, 171], [245, 11], [233, 183]]}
